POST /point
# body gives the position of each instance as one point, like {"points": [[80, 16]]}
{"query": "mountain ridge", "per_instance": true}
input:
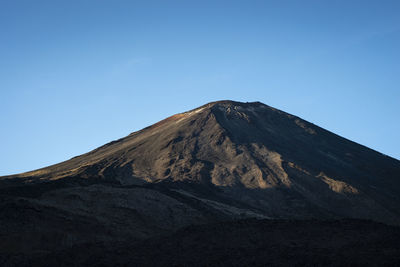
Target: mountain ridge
{"points": [[226, 171], [255, 154], [210, 104]]}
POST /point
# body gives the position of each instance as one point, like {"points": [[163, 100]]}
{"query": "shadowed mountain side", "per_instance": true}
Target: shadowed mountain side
{"points": [[257, 156]]}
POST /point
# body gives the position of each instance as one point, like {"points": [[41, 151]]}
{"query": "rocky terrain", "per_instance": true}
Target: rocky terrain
{"points": [[239, 243], [221, 170]]}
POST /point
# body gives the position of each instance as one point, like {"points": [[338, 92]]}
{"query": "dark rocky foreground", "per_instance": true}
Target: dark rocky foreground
{"points": [[178, 224], [248, 242]]}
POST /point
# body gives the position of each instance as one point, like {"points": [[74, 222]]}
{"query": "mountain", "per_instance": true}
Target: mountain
{"points": [[273, 162], [220, 162]]}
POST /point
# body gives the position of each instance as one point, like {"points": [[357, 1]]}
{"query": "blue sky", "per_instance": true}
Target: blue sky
{"points": [[77, 74]]}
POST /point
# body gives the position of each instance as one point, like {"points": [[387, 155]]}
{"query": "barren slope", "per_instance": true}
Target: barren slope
{"points": [[221, 162], [271, 161]]}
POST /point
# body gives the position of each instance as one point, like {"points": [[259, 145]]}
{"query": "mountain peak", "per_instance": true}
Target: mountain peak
{"points": [[235, 103], [225, 160], [266, 158], [230, 103]]}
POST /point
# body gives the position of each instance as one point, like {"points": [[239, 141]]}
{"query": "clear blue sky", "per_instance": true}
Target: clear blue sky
{"points": [[77, 74]]}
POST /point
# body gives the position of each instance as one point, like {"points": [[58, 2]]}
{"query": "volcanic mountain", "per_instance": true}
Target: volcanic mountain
{"points": [[222, 161], [275, 162]]}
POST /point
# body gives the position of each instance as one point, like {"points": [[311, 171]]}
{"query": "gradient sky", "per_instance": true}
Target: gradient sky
{"points": [[77, 74]]}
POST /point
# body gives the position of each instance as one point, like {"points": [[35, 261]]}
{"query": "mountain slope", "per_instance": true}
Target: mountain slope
{"points": [[272, 162], [212, 166]]}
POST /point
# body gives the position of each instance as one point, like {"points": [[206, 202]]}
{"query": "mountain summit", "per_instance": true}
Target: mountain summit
{"points": [[250, 156], [228, 183]]}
